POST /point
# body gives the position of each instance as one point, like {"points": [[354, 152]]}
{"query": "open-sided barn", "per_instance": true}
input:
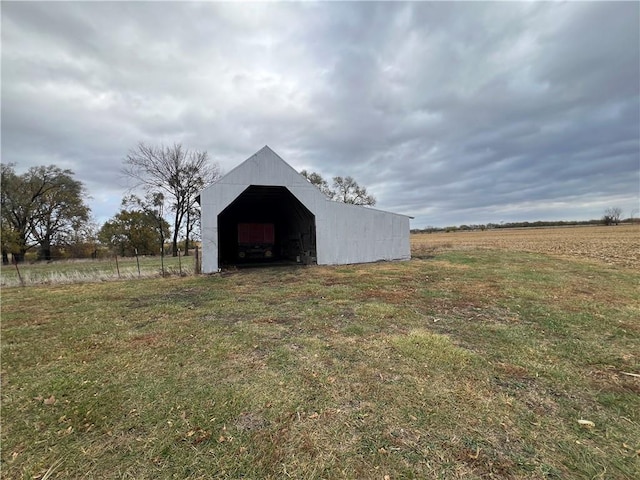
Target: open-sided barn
{"points": [[263, 210]]}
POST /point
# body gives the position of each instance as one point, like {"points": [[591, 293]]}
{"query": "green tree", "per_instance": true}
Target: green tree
{"points": [[43, 207], [60, 210], [343, 189], [136, 227], [16, 210], [9, 238], [153, 206]]}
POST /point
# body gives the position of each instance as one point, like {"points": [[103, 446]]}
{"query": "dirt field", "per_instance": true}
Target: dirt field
{"points": [[616, 245]]}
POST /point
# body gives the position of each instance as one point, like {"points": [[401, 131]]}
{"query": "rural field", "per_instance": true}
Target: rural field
{"points": [[619, 245], [498, 354]]}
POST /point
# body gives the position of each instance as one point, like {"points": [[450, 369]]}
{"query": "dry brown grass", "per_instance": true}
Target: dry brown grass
{"points": [[615, 245]]}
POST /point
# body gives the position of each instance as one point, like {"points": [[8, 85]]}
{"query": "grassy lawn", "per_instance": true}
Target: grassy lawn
{"points": [[464, 364]]}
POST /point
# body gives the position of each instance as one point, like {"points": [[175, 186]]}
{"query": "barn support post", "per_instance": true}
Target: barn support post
{"points": [[197, 269]]}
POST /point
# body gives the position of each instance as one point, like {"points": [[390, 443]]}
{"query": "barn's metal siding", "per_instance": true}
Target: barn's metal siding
{"points": [[354, 234], [344, 233]]}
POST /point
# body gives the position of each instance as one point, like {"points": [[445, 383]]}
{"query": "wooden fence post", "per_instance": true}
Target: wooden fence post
{"points": [[15, 262], [197, 269], [117, 267], [137, 261]]}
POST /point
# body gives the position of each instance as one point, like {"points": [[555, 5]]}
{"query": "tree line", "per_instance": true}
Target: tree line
{"points": [[612, 216], [45, 210], [40, 208]]}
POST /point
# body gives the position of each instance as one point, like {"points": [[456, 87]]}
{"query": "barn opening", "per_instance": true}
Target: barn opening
{"points": [[266, 225]]}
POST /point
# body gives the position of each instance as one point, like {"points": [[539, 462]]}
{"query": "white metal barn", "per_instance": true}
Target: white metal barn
{"points": [[308, 227]]}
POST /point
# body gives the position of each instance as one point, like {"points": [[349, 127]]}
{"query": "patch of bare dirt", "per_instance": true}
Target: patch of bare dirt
{"points": [[248, 421]]}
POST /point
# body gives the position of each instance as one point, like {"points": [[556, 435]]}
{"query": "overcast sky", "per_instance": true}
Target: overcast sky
{"points": [[454, 113]]}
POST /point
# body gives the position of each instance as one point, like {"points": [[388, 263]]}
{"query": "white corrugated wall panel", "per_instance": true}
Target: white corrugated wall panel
{"points": [[353, 234]]}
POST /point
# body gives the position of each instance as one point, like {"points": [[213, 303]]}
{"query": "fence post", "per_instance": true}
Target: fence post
{"points": [[117, 267], [15, 262], [179, 263], [137, 261]]}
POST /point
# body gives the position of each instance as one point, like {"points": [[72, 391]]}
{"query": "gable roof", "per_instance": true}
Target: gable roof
{"points": [[265, 154], [265, 167]]}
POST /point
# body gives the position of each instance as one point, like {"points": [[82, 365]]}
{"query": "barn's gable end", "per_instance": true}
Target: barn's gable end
{"points": [[343, 233]]}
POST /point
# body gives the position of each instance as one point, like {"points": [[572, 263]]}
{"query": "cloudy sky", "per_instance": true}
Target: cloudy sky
{"points": [[449, 112]]}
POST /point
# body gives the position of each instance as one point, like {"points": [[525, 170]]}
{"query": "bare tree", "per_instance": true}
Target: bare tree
{"points": [[344, 190], [192, 221], [347, 190], [175, 171], [317, 180], [612, 216]]}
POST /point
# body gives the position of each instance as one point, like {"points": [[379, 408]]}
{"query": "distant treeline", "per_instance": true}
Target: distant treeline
{"points": [[537, 224]]}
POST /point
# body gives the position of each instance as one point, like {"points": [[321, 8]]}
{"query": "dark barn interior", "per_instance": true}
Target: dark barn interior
{"points": [[294, 225]]}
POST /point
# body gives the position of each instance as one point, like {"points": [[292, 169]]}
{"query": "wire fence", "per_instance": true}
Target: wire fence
{"points": [[113, 267]]}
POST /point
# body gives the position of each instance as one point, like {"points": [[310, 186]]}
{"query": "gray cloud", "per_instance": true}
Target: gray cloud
{"points": [[450, 112]]}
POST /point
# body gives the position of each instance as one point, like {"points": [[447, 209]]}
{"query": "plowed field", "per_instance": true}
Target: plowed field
{"points": [[615, 245]]}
